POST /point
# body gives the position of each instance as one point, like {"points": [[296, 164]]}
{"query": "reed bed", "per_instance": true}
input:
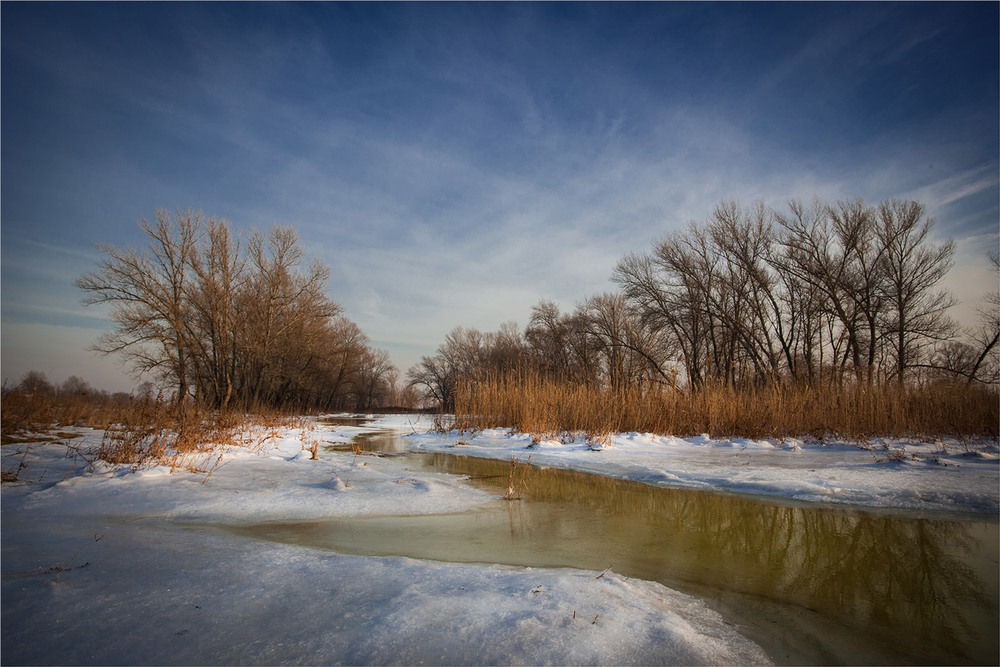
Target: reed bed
{"points": [[139, 432], [559, 409]]}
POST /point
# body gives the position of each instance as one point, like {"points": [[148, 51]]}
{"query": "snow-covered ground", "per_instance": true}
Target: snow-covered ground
{"points": [[942, 475], [105, 565], [102, 565]]}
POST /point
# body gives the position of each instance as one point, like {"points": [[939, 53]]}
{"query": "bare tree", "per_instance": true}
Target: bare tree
{"points": [[221, 272], [987, 336], [468, 355], [147, 291], [280, 301], [374, 371], [560, 345], [975, 358], [915, 313], [547, 336], [750, 303], [35, 382], [504, 350], [75, 386], [743, 298], [436, 377], [670, 305], [809, 255], [249, 324], [633, 353]]}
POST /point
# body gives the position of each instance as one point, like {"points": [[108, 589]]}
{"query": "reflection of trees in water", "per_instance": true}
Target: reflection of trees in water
{"points": [[886, 571], [877, 570], [869, 570]]}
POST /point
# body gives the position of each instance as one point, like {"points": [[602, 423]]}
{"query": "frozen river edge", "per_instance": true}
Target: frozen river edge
{"points": [[939, 475], [162, 586]]}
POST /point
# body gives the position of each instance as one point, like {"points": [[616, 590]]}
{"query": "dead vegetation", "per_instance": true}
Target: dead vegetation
{"points": [[138, 433], [531, 403], [515, 481]]}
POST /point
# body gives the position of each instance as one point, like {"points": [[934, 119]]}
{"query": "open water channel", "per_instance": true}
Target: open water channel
{"points": [[811, 584]]}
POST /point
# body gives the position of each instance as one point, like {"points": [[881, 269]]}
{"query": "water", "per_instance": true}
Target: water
{"points": [[811, 584]]}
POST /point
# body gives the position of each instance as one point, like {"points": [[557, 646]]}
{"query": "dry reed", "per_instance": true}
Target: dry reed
{"points": [[141, 432], [515, 480], [557, 409], [25, 412]]}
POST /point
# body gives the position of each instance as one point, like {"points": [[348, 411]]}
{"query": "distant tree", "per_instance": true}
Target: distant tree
{"points": [[373, 385], [146, 391], [437, 378], [409, 397], [35, 382], [75, 386]]}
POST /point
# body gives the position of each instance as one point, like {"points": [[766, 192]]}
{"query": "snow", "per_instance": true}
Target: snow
{"points": [[910, 474], [105, 564]]}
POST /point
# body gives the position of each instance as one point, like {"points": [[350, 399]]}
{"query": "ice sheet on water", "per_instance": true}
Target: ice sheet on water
{"points": [[176, 596]]}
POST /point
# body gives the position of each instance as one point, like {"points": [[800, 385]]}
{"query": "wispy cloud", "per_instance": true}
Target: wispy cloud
{"points": [[956, 187], [455, 163]]}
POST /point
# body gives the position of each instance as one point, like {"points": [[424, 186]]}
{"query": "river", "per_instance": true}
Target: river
{"points": [[811, 584]]}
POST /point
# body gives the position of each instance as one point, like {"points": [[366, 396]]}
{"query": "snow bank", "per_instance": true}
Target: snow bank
{"points": [[244, 486], [887, 473], [173, 596]]}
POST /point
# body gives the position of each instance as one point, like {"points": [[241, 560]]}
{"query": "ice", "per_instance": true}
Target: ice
{"points": [[166, 582], [170, 595]]}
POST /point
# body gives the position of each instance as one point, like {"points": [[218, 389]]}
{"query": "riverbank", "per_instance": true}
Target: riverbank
{"points": [[940, 475], [103, 565], [151, 558]]}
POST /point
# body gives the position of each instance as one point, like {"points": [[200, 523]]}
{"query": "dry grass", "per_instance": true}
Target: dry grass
{"points": [[186, 438], [515, 480], [32, 413], [139, 433], [555, 409]]}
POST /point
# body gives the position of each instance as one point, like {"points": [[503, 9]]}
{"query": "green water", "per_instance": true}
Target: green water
{"points": [[811, 584]]}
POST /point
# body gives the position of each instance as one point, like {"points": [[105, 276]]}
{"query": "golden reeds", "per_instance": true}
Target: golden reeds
{"points": [[544, 407], [141, 432]]}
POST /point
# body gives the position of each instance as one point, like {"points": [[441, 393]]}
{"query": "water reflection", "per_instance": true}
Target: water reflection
{"points": [[346, 420], [931, 581], [902, 587], [380, 442]]}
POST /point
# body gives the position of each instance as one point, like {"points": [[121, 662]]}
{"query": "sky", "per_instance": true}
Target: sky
{"points": [[455, 163]]}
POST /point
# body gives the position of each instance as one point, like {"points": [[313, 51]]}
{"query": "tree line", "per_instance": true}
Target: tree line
{"points": [[35, 383], [833, 293], [227, 318]]}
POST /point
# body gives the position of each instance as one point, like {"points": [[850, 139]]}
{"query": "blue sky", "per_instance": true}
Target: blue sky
{"points": [[454, 163]]}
